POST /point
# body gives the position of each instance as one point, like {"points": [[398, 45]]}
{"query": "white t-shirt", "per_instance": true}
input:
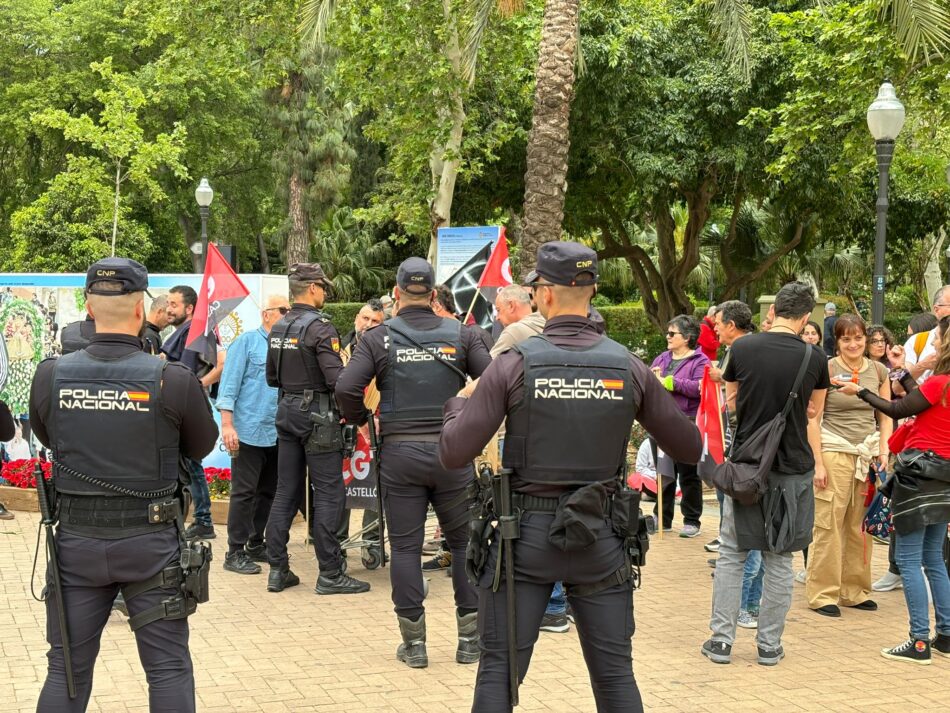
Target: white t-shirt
{"points": [[912, 357]]}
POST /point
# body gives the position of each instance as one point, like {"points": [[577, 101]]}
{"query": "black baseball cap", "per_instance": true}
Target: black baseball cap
{"points": [[309, 272], [130, 274], [562, 263], [415, 276]]}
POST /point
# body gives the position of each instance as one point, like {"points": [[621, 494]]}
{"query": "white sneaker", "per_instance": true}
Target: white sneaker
{"points": [[800, 577], [888, 583], [748, 620], [690, 531]]}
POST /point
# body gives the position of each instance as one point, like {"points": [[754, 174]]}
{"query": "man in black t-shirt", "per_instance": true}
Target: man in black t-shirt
{"points": [[760, 375]]}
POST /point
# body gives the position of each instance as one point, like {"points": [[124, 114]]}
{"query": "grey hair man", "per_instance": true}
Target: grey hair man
{"points": [[514, 311]]}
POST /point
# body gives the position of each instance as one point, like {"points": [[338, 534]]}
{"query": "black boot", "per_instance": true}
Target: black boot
{"points": [[280, 578], [340, 583], [467, 651], [412, 650]]}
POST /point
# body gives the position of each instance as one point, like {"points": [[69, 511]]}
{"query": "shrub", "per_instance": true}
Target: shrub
{"points": [[342, 314], [629, 325]]}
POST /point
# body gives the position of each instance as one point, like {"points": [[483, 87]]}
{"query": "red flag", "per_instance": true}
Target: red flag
{"points": [[497, 272], [709, 423], [221, 292]]}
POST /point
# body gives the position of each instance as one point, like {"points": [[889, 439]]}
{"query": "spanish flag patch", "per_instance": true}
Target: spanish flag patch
{"points": [[335, 343]]}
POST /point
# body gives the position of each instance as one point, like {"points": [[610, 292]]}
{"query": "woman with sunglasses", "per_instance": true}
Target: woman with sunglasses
{"points": [[921, 505], [680, 369]]}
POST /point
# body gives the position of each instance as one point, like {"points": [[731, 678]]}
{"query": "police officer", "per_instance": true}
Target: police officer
{"points": [[570, 396], [117, 420], [303, 361], [77, 335], [418, 360]]}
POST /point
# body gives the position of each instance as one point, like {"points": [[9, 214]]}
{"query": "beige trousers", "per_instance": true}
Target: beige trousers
{"points": [[839, 557]]}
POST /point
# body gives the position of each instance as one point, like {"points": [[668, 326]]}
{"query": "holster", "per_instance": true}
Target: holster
{"points": [[480, 526], [327, 433]]}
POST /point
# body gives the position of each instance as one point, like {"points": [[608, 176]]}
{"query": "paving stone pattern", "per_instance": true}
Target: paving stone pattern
{"points": [[295, 651]]}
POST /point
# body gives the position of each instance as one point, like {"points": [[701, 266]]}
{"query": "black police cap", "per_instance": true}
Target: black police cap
{"points": [[565, 263], [415, 276], [309, 272], [131, 275]]}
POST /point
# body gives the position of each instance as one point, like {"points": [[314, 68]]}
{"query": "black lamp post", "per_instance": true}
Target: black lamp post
{"points": [[885, 120], [204, 195]]}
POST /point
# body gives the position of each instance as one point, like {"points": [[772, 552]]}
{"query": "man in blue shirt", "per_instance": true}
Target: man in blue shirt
{"points": [[248, 409]]}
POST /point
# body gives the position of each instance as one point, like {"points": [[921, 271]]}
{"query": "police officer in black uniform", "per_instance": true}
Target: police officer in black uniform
{"points": [[569, 397], [418, 360], [116, 420], [77, 335], [303, 361]]}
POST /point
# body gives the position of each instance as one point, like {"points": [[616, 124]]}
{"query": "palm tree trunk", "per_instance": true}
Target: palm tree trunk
{"points": [[549, 141], [298, 237]]}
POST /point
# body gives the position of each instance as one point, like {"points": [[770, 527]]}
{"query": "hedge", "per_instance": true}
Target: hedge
{"points": [[626, 324]]}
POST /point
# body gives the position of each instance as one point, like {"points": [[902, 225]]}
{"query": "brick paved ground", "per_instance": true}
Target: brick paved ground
{"points": [[295, 651]]}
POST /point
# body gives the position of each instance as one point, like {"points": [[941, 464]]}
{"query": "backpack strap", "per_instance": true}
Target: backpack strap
{"points": [[793, 395]]}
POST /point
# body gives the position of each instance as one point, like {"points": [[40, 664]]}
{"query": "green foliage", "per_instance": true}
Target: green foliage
{"points": [[343, 314], [70, 225], [357, 263], [630, 325]]}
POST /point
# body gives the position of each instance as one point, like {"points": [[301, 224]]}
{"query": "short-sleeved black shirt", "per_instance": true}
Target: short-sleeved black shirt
{"points": [[765, 367]]}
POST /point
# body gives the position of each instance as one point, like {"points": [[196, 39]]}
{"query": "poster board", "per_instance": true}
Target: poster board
{"points": [[456, 246], [34, 308]]}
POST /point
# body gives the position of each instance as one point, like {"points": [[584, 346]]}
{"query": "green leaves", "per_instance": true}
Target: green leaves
{"points": [[922, 26]]}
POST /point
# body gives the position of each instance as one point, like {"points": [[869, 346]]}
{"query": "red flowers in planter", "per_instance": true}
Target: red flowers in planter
{"points": [[19, 473], [219, 482]]}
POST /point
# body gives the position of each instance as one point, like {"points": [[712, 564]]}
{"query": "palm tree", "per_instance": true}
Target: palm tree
{"points": [[351, 255]]}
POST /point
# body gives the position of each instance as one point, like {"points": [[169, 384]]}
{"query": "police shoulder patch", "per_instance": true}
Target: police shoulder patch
{"points": [[335, 343]]}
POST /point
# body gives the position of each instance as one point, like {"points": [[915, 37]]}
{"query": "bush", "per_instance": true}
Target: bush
{"points": [[629, 325], [342, 314]]}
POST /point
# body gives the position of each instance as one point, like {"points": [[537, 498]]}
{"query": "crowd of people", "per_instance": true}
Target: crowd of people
{"points": [[556, 399]]}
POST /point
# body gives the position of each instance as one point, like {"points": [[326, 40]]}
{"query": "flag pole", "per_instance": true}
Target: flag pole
{"points": [[468, 314], [659, 499]]}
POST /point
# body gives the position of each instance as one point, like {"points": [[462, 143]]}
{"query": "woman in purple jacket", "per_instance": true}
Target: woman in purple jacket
{"points": [[680, 369]]}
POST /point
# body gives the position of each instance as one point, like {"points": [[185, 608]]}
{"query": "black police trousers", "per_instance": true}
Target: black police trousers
{"points": [[412, 477], [253, 484], [326, 481], [604, 619], [91, 572]]}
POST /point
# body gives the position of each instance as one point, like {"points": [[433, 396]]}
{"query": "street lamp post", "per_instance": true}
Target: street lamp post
{"points": [[885, 120], [204, 195]]}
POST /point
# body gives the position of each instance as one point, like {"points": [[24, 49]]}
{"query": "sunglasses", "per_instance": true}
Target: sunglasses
{"points": [[674, 334], [282, 310]]}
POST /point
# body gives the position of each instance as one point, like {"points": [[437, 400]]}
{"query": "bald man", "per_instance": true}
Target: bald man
{"points": [[248, 409]]}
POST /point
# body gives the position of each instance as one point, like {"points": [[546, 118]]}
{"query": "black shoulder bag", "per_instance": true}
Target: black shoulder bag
{"points": [[744, 475]]}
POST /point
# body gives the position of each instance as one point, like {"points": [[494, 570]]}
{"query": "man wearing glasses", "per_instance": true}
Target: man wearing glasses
{"points": [[921, 366], [248, 409], [303, 361]]}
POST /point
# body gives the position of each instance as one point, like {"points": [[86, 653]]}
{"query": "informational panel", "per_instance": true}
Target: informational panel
{"points": [[35, 307], [456, 246]]}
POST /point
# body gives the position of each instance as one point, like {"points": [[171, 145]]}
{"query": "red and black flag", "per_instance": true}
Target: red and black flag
{"points": [[709, 422], [497, 272], [464, 286], [221, 292]]}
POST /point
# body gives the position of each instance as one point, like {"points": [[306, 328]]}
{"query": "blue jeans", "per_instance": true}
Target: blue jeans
{"points": [[199, 492], [925, 547], [557, 604], [752, 577]]}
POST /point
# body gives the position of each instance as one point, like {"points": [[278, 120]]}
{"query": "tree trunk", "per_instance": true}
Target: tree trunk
{"points": [[262, 251], [445, 160], [549, 140], [188, 235], [298, 237], [933, 274]]}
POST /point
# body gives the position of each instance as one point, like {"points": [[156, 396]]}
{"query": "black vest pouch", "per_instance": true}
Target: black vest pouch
{"points": [[625, 512], [327, 433], [579, 517]]}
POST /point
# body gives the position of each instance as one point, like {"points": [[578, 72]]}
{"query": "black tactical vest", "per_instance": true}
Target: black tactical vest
{"points": [[107, 422], [76, 335], [417, 385], [297, 366], [572, 426]]}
